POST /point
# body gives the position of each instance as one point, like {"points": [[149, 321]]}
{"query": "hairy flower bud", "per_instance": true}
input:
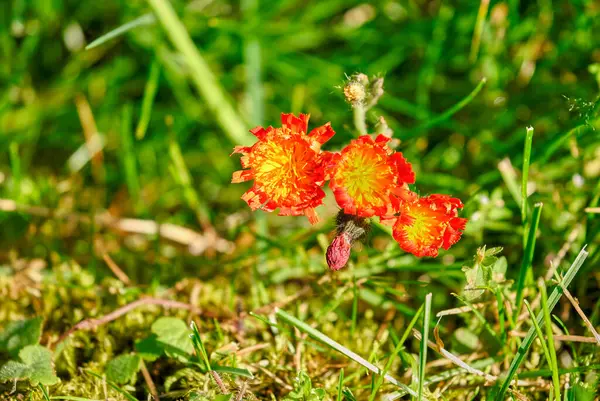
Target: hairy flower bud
{"points": [[338, 252], [354, 92]]}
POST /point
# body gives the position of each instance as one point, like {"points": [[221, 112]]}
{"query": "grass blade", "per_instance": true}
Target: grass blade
{"points": [[182, 175], [548, 372], [525, 176], [539, 333], [202, 77], [531, 334], [44, 392], [445, 115], [423, 353], [112, 385], [71, 398], [527, 257], [397, 349], [550, 338], [233, 371], [354, 308], [148, 100], [129, 159], [300, 325], [199, 346], [340, 385], [146, 19], [479, 24]]}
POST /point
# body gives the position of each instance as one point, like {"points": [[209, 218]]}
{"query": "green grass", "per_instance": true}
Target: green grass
{"points": [[172, 86]]}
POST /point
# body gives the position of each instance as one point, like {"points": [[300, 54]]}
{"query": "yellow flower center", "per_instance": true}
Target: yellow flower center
{"points": [[365, 175], [285, 169]]}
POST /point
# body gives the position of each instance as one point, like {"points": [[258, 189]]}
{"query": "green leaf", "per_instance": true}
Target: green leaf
{"points": [[149, 348], [487, 271], [123, 369], [173, 332], [12, 370], [39, 360], [35, 365], [224, 397], [19, 334]]}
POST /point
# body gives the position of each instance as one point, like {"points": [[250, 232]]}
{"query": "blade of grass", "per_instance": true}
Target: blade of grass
{"points": [[527, 257], [128, 154], [509, 176], [548, 372], [550, 338], [481, 364], [531, 334], [202, 76], [423, 350], [444, 116], [300, 325], [433, 54], [525, 176], [340, 385], [44, 392], [201, 353], [199, 346], [182, 175], [71, 398], [539, 333], [148, 100], [354, 308], [397, 349], [479, 24], [15, 167], [112, 385], [146, 19], [232, 371]]}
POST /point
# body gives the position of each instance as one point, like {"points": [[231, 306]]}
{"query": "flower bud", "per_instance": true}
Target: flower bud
{"points": [[338, 252], [354, 92]]}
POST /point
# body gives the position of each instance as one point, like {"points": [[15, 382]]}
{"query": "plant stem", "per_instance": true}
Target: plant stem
{"points": [[360, 115]]}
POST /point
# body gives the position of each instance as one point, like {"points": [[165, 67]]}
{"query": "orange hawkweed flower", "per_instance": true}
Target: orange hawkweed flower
{"points": [[288, 167], [428, 223], [368, 178]]}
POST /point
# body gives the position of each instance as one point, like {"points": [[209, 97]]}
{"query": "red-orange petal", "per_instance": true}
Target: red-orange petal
{"points": [[242, 176], [366, 175], [288, 167], [296, 124], [427, 224], [322, 134]]}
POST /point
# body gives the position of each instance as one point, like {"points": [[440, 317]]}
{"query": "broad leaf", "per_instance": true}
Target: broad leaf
{"points": [[18, 335], [35, 365], [123, 369], [173, 332]]}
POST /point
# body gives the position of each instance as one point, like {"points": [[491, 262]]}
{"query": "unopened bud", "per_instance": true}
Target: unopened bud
{"points": [[375, 91], [338, 252]]}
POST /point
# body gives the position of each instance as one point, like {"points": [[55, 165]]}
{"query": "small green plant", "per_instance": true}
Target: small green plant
{"points": [[304, 391], [34, 365], [486, 273]]}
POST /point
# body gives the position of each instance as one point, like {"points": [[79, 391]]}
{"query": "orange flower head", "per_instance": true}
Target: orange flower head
{"points": [[368, 178], [287, 166], [427, 224]]}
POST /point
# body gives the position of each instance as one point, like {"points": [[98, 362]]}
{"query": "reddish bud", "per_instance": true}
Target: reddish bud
{"points": [[338, 252]]}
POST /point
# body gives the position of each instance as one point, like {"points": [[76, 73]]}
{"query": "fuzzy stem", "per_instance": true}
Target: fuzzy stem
{"points": [[360, 118]]}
